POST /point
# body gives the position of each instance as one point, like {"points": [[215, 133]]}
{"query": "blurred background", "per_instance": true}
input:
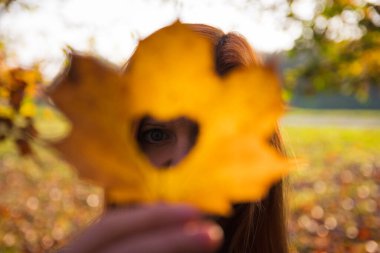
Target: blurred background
{"points": [[329, 57]]}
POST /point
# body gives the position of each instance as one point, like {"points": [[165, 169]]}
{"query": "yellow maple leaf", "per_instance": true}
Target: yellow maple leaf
{"points": [[172, 74]]}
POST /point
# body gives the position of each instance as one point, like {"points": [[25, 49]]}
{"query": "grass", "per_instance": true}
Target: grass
{"points": [[334, 197]]}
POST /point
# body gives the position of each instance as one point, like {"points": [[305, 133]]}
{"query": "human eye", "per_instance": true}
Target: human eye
{"points": [[154, 136]]}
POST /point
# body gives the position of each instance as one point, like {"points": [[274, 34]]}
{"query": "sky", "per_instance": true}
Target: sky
{"points": [[113, 28]]}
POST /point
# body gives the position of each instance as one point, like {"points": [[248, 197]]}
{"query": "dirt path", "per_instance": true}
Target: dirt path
{"points": [[321, 120]]}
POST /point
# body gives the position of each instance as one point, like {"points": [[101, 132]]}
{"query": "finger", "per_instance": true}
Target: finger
{"points": [[130, 222], [133, 221], [194, 237]]}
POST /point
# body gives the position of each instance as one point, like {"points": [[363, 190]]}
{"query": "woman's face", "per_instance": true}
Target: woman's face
{"points": [[166, 143]]}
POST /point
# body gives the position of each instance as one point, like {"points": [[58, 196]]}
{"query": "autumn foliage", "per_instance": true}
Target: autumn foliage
{"points": [[172, 74], [19, 92]]}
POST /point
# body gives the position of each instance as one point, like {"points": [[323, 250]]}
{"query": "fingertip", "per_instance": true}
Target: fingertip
{"points": [[215, 233], [209, 235], [215, 237]]}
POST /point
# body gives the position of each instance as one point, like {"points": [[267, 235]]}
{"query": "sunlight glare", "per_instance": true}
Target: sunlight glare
{"points": [[113, 29]]}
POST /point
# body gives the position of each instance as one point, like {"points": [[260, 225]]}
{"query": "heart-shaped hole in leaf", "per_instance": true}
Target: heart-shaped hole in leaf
{"points": [[166, 143]]}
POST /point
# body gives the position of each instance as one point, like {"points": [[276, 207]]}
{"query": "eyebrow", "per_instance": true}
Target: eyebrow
{"points": [[151, 122]]}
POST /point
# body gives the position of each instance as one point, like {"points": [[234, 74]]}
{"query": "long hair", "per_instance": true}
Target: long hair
{"points": [[260, 226]]}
